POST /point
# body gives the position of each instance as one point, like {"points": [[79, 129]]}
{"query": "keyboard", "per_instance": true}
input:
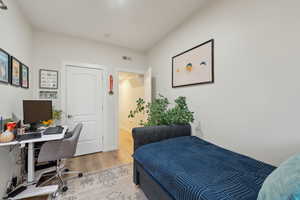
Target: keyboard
{"points": [[29, 136], [54, 130]]}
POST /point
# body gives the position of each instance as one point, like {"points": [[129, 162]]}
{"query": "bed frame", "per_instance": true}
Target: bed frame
{"points": [[146, 135]]}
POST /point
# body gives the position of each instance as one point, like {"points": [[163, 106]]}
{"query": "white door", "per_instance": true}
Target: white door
{"points": [[148, 85], [84, 103]]}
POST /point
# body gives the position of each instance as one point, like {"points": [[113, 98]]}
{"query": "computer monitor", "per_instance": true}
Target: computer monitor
{"points": [[35, 111]]}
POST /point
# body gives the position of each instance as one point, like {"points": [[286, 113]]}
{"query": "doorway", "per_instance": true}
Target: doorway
{"points": [[84, 104], [131, 88]]}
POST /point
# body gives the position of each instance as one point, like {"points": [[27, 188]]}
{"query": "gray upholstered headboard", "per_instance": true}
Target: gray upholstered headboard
{"points": [[147, 135]]}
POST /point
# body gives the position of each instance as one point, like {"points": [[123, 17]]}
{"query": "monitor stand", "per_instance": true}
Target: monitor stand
{"points": [[33, 127]]}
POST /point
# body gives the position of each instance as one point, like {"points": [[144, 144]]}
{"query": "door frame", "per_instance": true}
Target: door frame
{"points": [[105, 99], [118, 70]]}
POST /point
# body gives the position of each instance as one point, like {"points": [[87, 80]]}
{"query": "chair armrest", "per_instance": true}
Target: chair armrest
{"points": [[147, 135]]}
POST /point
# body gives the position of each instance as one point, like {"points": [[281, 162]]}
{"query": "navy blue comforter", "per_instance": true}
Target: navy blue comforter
{"points": [[190, 168]]}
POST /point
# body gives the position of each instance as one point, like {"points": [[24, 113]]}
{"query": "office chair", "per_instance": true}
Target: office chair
{"points": [[59, 150]]}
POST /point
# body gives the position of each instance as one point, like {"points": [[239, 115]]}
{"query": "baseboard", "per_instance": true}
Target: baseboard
{"points": [[110, 148]]}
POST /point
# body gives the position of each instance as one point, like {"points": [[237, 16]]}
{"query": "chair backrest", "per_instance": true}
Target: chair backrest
{"points": [[71, 147], [61, 149]]}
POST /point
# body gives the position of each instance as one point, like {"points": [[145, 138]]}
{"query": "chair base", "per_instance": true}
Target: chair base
{"points": [[58, 174]]}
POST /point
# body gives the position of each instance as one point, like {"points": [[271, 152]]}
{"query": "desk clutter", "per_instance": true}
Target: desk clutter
{"points": [[13, 131], [39, 117], [8, 135]]}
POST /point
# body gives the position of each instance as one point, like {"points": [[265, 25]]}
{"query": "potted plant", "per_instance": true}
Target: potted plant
{"points": [[159, 112], [57, 117]]}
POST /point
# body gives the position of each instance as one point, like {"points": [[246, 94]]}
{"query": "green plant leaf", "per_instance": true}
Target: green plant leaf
{"points": [[159, 113]]}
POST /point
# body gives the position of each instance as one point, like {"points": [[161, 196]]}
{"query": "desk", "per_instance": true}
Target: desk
{"points": [[32, 190]]}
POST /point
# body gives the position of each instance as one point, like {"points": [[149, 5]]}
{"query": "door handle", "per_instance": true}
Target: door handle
{"points": [[69, 116]]}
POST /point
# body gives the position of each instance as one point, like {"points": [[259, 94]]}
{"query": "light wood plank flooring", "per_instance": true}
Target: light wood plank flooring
{"points": [[103, 160], [99, 161]]}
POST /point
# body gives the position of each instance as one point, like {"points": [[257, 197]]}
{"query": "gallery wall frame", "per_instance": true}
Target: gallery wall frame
{"points": [[13, 71], [48, 79], [24, 76], [5, 67], [16, 75], [194, 66]]}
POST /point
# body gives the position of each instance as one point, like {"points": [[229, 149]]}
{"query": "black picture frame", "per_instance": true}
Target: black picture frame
{"points": [[24, 67], [40, 79], [212, 65], [12, 81], [8, 67]]}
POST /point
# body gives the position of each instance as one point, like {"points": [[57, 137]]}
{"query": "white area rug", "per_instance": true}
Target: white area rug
{"points": [[111, 184]]}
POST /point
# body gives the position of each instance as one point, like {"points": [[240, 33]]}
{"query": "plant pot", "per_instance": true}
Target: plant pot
{"points": [[57, 122]]}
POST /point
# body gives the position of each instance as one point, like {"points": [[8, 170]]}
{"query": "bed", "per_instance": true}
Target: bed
{"points": [[170, 164]]}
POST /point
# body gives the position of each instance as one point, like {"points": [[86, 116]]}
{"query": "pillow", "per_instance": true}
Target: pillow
{"points": [[283, 183], [296, 197]]}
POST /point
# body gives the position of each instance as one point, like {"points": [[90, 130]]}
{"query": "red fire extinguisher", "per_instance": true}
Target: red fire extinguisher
{"points": [[111, 85]]}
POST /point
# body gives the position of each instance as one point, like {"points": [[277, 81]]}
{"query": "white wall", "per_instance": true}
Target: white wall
{"points": [[52, 50], [130, 90], [16, 39], [253, 106]]}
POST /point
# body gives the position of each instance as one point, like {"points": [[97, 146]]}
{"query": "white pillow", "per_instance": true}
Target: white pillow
{"points": [[283, 183]]}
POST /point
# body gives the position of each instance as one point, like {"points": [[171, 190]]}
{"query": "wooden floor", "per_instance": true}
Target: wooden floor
{"points": [[101, 161]]}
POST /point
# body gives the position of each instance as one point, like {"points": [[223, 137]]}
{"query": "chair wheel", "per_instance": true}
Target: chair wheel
{"points": [[65, 188], [80, 175], [54, 195], [67, 170]]}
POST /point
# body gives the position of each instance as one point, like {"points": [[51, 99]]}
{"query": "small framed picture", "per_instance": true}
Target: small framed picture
{"points": [[48, 95], [25, 76], [4, 67], [15, 72]]}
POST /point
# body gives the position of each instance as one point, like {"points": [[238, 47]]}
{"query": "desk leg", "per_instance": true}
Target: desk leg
{"points": [[32, 190], [30, 176]]}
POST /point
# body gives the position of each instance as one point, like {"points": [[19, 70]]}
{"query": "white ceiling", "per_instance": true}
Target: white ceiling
{"points": [[135, 24]]}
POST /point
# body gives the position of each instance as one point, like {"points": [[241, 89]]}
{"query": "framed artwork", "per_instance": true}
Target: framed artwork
{"points": [[25, 76], [48, 79], [15, 72], [4, 67], [194, 66]]}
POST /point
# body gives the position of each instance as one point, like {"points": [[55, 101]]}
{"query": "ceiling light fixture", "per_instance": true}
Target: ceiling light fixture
{"points": [[2, 5]]}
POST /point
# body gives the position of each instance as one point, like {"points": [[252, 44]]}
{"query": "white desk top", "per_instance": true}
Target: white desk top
{"points": [[44, 138]]}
